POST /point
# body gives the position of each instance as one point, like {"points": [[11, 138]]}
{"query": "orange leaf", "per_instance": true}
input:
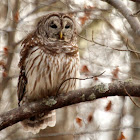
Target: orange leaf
{"points": [[2, 64], [108, 107], [115, 72], [87, 13], [5, 49], [83, 19], [79, 121], [96, 78], [4, 74], [122, 137], [16, 16], [84, 69], [90, 118]]}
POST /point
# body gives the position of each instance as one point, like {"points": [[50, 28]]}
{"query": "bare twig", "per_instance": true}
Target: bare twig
{"points": [[138, 1], [131, 98], [92, 41], [136, 13], [130, 50], [74, 78], [124, 39]]}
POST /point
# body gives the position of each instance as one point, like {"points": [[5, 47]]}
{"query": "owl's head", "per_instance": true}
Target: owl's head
{"points": [[57, 27]]}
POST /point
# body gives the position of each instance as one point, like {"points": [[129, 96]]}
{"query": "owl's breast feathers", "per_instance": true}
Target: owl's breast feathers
{"points": [[44, 66], [48, 47]]}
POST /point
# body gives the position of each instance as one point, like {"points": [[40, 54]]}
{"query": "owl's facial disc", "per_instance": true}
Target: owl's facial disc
{"points": [[59, 29]]}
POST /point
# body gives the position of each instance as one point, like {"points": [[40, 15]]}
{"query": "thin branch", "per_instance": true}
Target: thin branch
{"points": [[136, 13], [131, 98], [130, 50], [73, 97], [92, 40], [137, 1], [73, 78]]}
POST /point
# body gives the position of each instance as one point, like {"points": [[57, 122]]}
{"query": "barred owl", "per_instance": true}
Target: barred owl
{"points": [[48, 57]]}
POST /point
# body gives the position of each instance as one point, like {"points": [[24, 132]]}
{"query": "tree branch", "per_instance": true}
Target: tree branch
{"points": [[127, 13], [73, 97], [135, 1]]}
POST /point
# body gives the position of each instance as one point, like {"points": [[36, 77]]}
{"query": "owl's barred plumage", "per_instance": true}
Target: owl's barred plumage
{"points": [[48, 57]]}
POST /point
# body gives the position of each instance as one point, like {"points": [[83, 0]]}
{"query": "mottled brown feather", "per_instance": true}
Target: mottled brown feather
{"points": [[44, 65]]}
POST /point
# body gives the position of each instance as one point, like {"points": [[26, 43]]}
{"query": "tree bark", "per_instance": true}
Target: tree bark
{"points": [[73, 97]]}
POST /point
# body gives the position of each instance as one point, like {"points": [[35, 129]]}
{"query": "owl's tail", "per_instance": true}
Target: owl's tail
{"points": [[38, 122]]}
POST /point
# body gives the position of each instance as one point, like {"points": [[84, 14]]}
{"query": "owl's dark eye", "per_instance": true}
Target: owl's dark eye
{"points": [[53, 26], [67, 26]]}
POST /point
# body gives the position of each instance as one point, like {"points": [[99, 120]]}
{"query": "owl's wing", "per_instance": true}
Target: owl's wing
{"points": [[22, 81], [27, 44]]}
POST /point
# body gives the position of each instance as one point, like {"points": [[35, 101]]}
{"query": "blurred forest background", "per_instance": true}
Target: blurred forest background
{"points": [[104, 39]]}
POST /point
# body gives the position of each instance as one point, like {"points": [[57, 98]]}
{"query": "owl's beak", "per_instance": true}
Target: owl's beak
{"points": [[61, 35]]}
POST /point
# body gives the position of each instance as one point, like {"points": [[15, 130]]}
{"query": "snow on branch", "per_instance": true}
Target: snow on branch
{"points": [[119, 88]]}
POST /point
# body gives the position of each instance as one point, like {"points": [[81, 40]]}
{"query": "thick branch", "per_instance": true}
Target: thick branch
{"points": [[135, 0], [82, 95], [127, 13]]}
